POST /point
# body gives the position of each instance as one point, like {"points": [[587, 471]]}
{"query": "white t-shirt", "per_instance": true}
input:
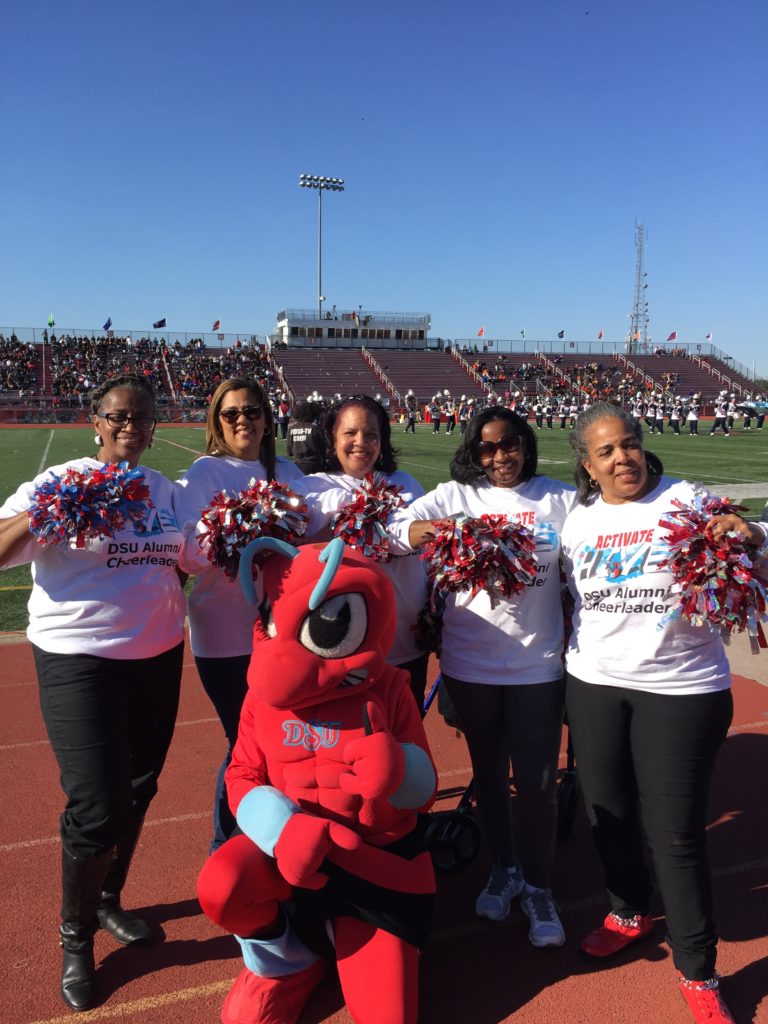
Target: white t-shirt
{"points": [[114, 598], [611, 555], [326, 493], [519, 640], [220, 619]]}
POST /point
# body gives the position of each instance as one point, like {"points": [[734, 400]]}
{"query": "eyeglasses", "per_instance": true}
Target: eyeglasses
{"points": [[251, 412], [487, 449], [122, 419]]}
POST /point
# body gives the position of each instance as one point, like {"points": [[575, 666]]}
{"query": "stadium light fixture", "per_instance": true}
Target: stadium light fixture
{"points": [[322, 184]]}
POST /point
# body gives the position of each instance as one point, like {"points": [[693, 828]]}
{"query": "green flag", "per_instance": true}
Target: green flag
{"points": [[51, 321]]}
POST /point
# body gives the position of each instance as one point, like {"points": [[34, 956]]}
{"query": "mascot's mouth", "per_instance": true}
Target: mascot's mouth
{"points": [[353, 678]]}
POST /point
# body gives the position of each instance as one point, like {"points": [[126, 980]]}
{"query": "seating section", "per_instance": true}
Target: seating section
{"points": [[327, 372], [426, 374]]}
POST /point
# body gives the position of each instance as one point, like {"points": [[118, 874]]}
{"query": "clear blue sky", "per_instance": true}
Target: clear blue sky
{"points": [[496, 156]]}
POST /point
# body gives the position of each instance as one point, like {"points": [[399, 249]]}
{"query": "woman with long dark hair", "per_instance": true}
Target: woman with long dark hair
{"points": [[501, 662]]}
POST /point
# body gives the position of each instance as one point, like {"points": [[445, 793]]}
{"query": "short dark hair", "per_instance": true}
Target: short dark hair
{"points": [[122, 380], [387, 460], [466, 467], [577, 440]]}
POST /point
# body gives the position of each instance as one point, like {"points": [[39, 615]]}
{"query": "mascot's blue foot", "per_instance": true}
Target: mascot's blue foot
{"points": [[255, 1000]]}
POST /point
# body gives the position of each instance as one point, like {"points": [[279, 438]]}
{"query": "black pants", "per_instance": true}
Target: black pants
{"points": [[648, 758], [110, 724], [417, 670], [521, 724], [225, 682]]}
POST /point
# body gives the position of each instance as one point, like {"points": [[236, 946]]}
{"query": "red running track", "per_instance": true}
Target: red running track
{"points": [[474, 971]]}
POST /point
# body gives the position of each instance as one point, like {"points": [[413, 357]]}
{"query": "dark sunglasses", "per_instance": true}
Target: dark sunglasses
{"points": [[251, 412], [487, 449]]}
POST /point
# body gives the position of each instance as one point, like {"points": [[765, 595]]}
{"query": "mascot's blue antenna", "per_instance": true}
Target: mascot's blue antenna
{"points": [[249, 552], [332, 555]]}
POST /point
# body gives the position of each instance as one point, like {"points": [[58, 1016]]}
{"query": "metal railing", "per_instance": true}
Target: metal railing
{"points": [[389, 386], [474, 375], [357, 317]]}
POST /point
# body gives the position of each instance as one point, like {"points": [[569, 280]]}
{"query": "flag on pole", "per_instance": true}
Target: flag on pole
{"points": [[51, 321], [709, 337], [522, 333], [481, 333], [561, 334], [216, 325], [108, 324], [600, 335], [673, 336], [159, 323]]}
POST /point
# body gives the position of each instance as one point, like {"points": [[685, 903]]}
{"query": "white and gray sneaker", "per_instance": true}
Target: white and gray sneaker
{"points": [[546, 928], [495, 901]]}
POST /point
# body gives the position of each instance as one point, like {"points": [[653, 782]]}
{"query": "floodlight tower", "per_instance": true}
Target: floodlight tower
{"points": [[322, 184], [638, 330]]}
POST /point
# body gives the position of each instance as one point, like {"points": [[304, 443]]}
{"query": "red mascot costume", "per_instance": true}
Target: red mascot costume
{"points": [[328, 778]]}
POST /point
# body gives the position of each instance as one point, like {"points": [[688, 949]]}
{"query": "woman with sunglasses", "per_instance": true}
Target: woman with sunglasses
{"points": [[359, 441], [239, 448], [106, 623], [501, 662]]}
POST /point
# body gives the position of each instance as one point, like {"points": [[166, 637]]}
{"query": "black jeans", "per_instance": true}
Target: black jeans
{"points": [[225, 682], [521, 724], [648, 757], [110, 724]]}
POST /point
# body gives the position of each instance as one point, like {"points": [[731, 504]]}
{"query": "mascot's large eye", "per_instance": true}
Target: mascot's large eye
{"points": [[337, 628]]}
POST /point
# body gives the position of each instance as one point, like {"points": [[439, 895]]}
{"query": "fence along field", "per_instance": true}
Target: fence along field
{"points": [[720, 463]]}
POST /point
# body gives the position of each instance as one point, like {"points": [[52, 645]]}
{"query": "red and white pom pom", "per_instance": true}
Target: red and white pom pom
{"points": [[715, 579], [362, 522], [83, 505], [263, 509], [490, 553]]}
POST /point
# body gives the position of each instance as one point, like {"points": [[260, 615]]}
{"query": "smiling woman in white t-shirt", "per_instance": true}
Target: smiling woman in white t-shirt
{"points": [[502, 662], [648, 708], [239, 448], [106, 623]]}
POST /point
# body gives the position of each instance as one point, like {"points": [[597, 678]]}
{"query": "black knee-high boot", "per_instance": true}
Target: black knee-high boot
{"points": [[126, 928], [81, 882]]}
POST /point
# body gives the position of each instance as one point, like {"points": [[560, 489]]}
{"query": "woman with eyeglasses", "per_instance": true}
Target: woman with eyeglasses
{"points": [[359, 441], [502, 665], [239, 448], [106, 623]]}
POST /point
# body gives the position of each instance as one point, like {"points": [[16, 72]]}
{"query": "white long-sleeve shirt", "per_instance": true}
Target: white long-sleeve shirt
{"points": [[514, 641]]}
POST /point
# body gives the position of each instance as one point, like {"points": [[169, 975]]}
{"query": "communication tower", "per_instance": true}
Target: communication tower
{"points": [[638, 331]]}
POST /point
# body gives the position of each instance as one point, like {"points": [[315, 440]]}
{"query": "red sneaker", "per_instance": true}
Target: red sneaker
{"points": [[705, 1002], [256, 1000], [614, 934]]}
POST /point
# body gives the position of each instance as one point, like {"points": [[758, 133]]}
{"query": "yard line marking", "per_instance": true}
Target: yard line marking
{"points": [[41, 467], [140, 1006], [177, 445], [45, 742], [26, 844]]}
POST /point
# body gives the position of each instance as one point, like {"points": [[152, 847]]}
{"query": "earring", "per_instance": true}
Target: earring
{"points": [[592, 483], [267, 432], [99, 440], [151, 442]]}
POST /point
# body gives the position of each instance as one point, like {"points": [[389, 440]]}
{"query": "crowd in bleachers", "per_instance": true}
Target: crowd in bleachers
{"points": [[79, 363], [196, 373], [18, 366]]}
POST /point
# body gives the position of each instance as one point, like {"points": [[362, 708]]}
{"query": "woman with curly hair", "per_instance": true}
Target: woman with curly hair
{"points": [[501, 662], [359, 442]]}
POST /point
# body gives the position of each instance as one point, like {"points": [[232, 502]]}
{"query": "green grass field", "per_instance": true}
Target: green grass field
{"points": [[717, 462]]}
